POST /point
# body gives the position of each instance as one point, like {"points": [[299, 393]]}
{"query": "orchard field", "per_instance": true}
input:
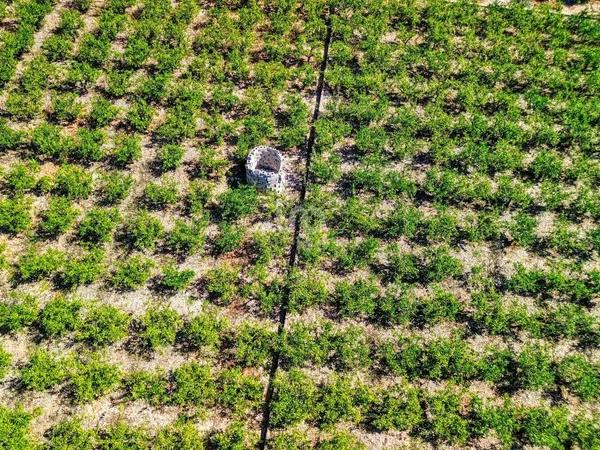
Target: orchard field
{"points": [[428, 278]]}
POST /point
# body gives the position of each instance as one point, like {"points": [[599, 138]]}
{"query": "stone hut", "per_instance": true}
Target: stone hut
{"points": [[264, 168]]}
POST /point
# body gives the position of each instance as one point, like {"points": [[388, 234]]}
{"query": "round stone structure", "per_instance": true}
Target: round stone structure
{"points": [[264, 168]]}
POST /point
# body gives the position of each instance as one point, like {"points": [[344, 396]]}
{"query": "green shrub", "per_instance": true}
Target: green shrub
{"points": [[174, 280], [79, 271], [15, 215], [546, 428], [140, 115], [179, 436], [496, 365], [98, 225], [294, 399], [290, 440], [239, 392], [356, 299], [449, 358], [230, 237], [17, 310], [440, 264], [534, 368], [143, 231], [70, 435], [239, 202], [22, 178], [401, 266], [398, 408], [354, 217], [93, 378], [357, 254], [14, 429], [305, 290], [65, 107], [127, 150], [132, 272], [221, 282], [522, 229], [187, 238], [350, 349], [234, 437], [442, 305], [89, 145], [199, 193], [5, 359], [254, 344], [123, 435], [35, 265], [169, 157], [547, 165], [60, 316], [585, 432], [103, 325], [341, 440], [402, 357], [443, 227], [116, 187], [581, 376], [396, 306], [151, 387], [205, 330], [73, 182], [103, 112], [58, 217], [160, 327], [446, 422], [43, 371], [160, 195], [194, 385], [336, 402]]}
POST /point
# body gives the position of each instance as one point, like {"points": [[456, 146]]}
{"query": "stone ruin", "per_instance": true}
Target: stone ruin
{"points": [[264, 168]]}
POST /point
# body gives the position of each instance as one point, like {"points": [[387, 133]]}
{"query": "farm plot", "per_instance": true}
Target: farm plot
{"points": [[141, 273], [429, 276], [447, 283]]}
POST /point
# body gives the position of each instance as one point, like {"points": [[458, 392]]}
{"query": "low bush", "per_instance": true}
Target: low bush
{"points": [[17, 310], [160, 327], [239, 202], [103, 325], [103, 112], [60, 316], [148, 386], [160, 195], [187, 237], [398, 408], [442, 305], [581, 376], [140, 115], [128, 149], [194, 385], [534, 368], [294, 399], [305, 290], [65, 107], [132, 273], [169, 157], [86, 269], [174, 280], [14, 429], [15, 215], [88, 147], [22, 178], [239, 392], [254, 344], [93, 378], [547, 428], [98, 225], [230, 237], [440, 264], [70, 434], [337, 402], [221, 282], [355, 299], [447, 423], [5, 360], [35, 265], [58, 217], [73, 182], [205, 330], [116, 187], [143, 231], [43, 371]]}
